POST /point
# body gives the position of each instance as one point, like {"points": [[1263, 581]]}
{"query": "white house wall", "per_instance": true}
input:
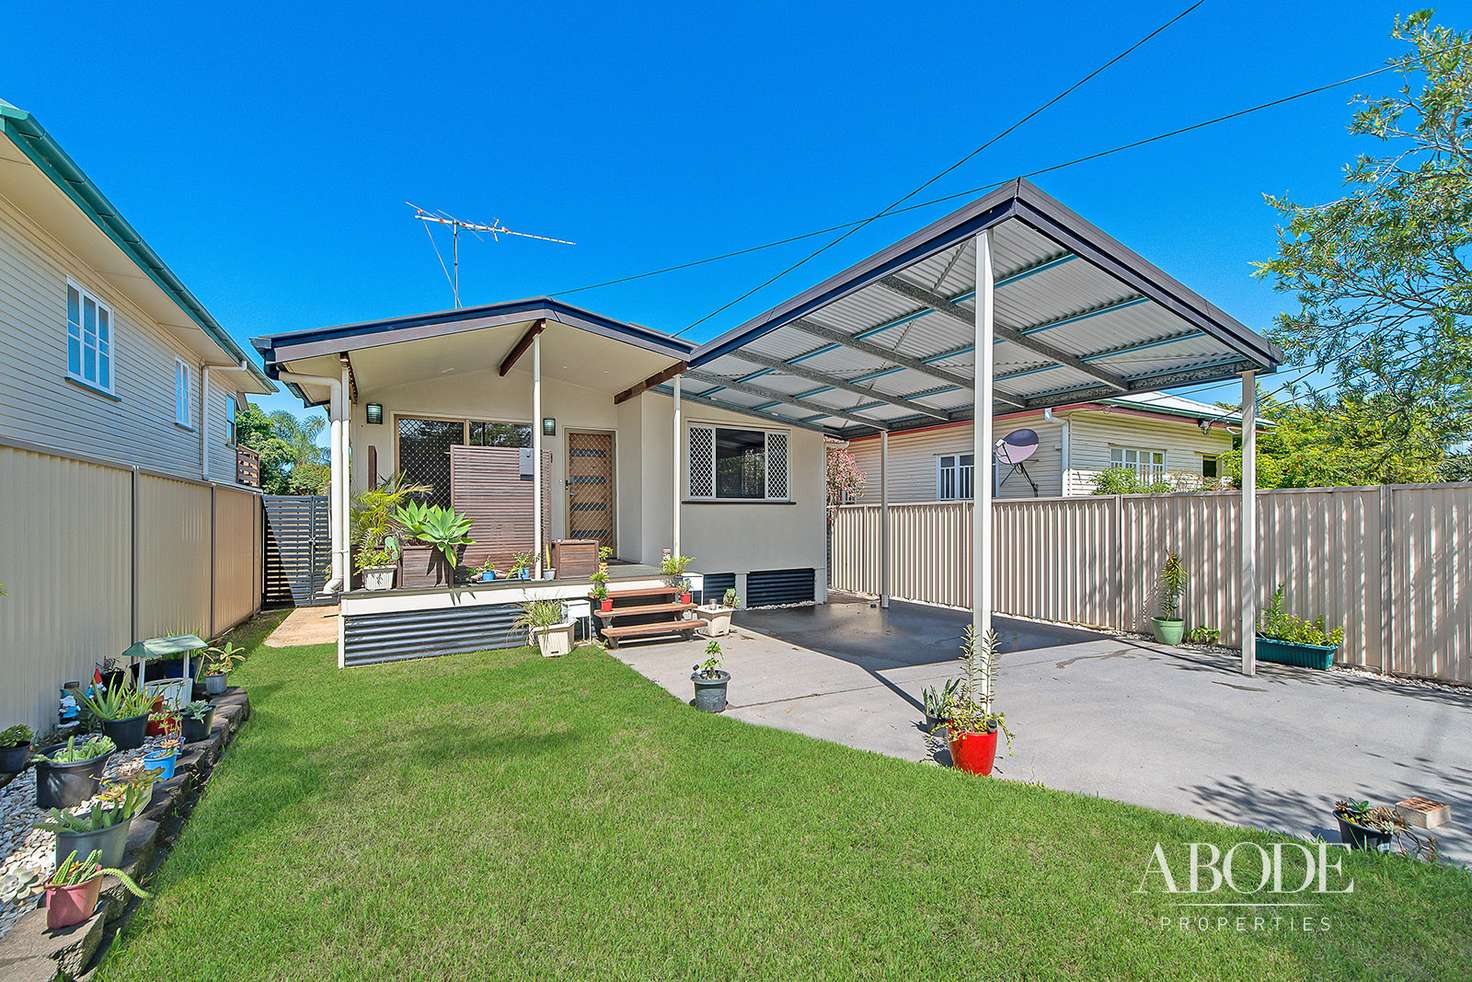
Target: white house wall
{"points": [[912, 460], [37, 402], [1094, 433]]}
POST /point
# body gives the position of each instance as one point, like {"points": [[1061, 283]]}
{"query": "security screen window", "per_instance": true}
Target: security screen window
{"points": [[741, 464]]}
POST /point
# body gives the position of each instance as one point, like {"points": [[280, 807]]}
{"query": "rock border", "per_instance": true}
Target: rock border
{"points": [[29, 951]]}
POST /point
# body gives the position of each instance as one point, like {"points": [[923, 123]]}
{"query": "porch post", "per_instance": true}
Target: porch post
{"points": [[346, 505], [1249, 524], [675, 478], [884, 518], [334, 497], [981, 478], [537, 455]]}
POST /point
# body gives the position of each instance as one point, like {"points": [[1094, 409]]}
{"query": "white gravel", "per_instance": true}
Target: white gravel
{"points": [[22, 846]]}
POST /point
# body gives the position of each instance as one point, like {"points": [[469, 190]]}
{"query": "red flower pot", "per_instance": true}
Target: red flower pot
{"points": [[684, 598], [974, 752], [605, 605], [66, 906]]}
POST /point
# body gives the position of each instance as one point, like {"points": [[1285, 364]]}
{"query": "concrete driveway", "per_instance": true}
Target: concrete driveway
{"points": [[1176, 729]]}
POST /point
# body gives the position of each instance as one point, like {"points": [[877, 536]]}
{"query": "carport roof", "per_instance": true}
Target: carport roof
{"points": [[889, 342]]}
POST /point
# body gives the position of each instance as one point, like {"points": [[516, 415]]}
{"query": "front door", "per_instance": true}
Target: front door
{"points": [[590, 487]]}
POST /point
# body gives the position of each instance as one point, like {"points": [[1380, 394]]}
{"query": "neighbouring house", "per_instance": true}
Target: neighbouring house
{"points": [[105, 352], [1156, 435]]}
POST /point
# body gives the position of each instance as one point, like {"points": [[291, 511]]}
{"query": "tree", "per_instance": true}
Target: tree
{"points": [[291, 461], [1347, 443], [1380, 274], [845, 477]]}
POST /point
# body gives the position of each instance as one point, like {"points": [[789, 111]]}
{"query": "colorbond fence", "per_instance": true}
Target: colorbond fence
{"points": [[1393, 565], [95, 555]]}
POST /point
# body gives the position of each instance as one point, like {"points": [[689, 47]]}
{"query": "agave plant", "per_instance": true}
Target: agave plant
{"points": [[117, 701], [443, 528]]}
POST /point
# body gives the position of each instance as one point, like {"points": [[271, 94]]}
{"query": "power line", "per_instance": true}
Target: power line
{"points": [[970, 192], [959, 163]]}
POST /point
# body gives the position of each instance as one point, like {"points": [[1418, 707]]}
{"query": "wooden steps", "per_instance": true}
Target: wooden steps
{"points": [[671, 608], [665, 615], [615, 633]]}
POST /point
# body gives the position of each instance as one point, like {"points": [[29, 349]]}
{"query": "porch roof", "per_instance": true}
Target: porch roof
{"points": [[889, 342]]}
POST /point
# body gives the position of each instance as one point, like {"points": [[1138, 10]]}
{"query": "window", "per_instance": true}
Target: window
{"points": [[737, 464], [953, 477], [500, 434], [230, 410], [1148, 465], [88, 339], [1208, 467], [182, 415]]}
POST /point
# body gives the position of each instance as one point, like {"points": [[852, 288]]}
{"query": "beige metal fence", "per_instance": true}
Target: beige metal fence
{"points": [[1393, 565], [94, 556]]}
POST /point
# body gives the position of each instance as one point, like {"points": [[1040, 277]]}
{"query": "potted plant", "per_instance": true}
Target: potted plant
{"points": [[1364, 827], [521, 566], [375, 531], [548, 572], [72, 891], [122, 711], [1290, 640], [196, 718], [710, 680], [15, 748], [162, 721], [485, 572], [717, 616], [219, 662], [444, 529], [1169, 628], [543, 620], [161, 759], [971, 723], [103, 825], [673, 567], [69, 773], [934, 702]]}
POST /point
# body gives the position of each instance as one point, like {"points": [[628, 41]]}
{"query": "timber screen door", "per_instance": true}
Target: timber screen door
{"points": [[590, 487]]}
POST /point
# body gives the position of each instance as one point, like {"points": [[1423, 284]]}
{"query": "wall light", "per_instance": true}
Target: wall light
{"points": [[549, 426], [375, 412]]}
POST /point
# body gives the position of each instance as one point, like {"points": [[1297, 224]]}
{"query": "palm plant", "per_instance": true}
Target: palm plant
{"points": [[1173, 578], [374, 529]]}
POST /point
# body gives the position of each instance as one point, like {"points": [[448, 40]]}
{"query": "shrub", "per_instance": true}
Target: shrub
{"points": [[1279, 625]]}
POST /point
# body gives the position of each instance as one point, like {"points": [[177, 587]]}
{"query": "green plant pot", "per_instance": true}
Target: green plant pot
{"points": [[1168, 631], [1320, 656]]}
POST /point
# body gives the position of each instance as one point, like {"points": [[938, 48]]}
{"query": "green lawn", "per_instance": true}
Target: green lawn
{"points": [[500, 815]]}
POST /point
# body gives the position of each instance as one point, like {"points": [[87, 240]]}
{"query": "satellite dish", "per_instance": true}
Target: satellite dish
{"points": [[1016, 447]]}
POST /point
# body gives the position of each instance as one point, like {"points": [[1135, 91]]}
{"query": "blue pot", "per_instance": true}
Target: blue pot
{"points": [[1320, 656], [488, 576], [525, 574], [162, 766]]}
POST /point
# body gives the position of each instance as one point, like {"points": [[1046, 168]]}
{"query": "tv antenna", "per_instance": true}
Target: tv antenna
{"points": [[495, 229]]}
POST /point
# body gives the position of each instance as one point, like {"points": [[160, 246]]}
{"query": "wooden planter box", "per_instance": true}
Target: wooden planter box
{"points": [[575, 558]]}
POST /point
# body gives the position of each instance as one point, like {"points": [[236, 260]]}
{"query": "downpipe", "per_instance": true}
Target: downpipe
{"points": [[338, 480]]}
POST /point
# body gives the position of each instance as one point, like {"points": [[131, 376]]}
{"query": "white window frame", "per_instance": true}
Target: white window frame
{"points": [[102, 348], [963, 476], [183, 401], [1135, 458], [767, 433], [232, 406]]}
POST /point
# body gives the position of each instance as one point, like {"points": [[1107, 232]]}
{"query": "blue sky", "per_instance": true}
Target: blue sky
{"points": [[266, 151]]}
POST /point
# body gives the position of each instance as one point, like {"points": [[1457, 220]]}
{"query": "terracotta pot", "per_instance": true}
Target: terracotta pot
{"points": [[606, 605], [974, 753], [685, 598], [67, 906]]}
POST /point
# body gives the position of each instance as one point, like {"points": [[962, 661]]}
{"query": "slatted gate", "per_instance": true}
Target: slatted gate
{"points": [[298, 550]]}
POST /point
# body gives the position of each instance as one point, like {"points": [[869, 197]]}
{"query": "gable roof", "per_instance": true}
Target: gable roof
{"points": [[31, 138]]}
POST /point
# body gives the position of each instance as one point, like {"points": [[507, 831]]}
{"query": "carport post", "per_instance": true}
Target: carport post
{"points": [[537, 454], [884, 519], [675, 478], [1249, 524], [981, 479]]}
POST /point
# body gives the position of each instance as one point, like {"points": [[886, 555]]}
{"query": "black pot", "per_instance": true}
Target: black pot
{"points": [[129, 733], [196, 730], [710, 694], [13, 759], [65, 785], [1359, 837]]}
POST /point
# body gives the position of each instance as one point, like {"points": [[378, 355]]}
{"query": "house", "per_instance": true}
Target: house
{"points": [[105, 352], [542, 421], [1158, 436]]}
